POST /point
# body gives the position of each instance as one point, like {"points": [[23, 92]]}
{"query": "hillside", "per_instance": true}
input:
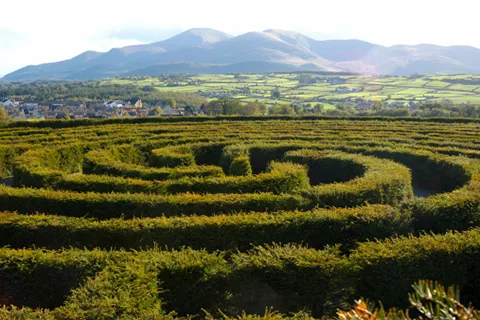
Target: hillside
{"points": [[213, 51]]}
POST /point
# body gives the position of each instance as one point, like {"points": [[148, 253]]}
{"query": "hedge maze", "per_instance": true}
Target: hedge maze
{"points": [[163, 219]]}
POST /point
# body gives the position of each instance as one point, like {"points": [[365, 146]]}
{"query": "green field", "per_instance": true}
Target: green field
{"points": [[220, 218], [325, 89]]}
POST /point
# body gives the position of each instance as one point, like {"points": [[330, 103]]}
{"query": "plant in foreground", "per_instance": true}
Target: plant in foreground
{"points": [[430, 300]]}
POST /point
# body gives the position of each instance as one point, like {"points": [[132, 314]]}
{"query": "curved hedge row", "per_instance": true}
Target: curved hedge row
{"points": [[386, 183], [103, 162], [372, 180], [50, 168]]}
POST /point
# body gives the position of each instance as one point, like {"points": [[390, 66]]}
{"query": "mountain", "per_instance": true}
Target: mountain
{"points": [[212, 51], [199, 68]]}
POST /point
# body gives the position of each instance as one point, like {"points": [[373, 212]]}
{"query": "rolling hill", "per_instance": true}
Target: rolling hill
{"points": [[213, 51]]}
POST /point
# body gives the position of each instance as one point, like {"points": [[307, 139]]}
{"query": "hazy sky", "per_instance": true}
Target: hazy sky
{"points": [[33, 32]]}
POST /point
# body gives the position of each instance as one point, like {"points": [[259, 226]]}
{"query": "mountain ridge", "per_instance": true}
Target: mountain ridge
{"points": [[208, 50]]}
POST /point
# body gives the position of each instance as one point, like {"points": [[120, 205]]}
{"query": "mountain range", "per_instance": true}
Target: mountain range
{"points": [[212, 51]]}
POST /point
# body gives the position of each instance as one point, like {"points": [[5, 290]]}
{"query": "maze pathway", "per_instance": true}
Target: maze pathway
{"points": [[104, 220]]}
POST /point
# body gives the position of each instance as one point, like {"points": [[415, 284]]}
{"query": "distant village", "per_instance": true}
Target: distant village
{"points": [[21, 110], [32, 110]]}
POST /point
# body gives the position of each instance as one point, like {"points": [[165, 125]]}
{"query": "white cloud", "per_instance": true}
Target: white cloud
{"points": [[51, 30]]}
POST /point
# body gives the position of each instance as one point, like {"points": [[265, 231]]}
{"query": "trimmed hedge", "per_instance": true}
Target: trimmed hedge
{"points": [[456, 179], [456, 210], [44, 279], [327, 168], [103, 162], [452, 258], [126, 288], [78, 284], [114, 205], [374, 180], [41, 169], [279, 178], [289, 278], [230, 165], [316, 228], [230, 153], [434, 172], [460, 210], [240, 166], [7, 156], [171, 157], [93, 122]]}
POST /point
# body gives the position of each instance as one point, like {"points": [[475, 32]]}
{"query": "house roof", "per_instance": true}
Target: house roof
{"points": [[115, 101]]}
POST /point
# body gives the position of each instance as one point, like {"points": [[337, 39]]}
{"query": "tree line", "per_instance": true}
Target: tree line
{"points": [[78, 91], [433, 109]]}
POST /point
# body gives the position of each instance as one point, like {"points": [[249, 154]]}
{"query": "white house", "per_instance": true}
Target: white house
{"points": [[114, 104], [8, 103]]}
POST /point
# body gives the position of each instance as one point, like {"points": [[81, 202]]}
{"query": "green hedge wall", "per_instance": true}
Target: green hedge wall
{"points": [[114, 205], [289, 278], [171, 157], [382, 181], [103, 162], [317, 228]]}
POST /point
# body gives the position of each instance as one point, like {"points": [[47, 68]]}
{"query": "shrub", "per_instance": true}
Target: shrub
{"points": [[230, 153], [430, 299], [39, 279], [171, 157], [7, 157], [240, 166], [125, 289], [451, 259]]}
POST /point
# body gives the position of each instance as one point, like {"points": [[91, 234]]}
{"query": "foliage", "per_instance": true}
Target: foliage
{"points": [[240, 166], [317, 228], [430, 299], [158, 218], [282, 109], [224, 106], [253, 109], [171, 157], [4, 117]]}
